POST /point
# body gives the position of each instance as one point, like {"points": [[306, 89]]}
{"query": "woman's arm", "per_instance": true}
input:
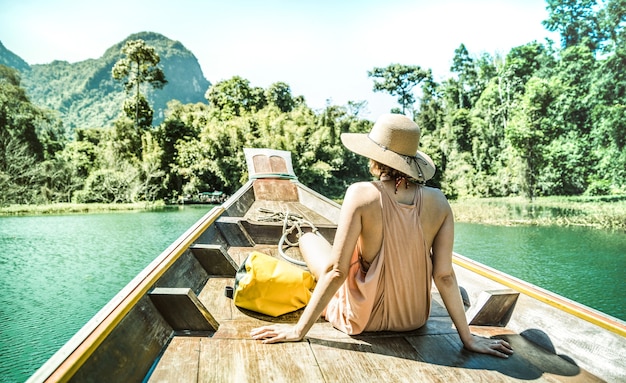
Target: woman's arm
{"points": [[331, 275], [445, 280]]}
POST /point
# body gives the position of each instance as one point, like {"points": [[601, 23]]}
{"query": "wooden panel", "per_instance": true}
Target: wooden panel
{"points": [[278, 165], [261, 164], [182, 309], [222, 360], [185, 272], [215, 260], [320, 204], [275, 190], [231, 229], [179, 363], [212, 235], [128, 353], [238, 204], [493, 308], [238, 329], [213, 298], [265, 234]]}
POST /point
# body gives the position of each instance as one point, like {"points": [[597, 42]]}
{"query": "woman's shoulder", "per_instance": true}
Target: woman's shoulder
{"points": [[362, 193], [435, 197], [433, 192], [362, 187]]}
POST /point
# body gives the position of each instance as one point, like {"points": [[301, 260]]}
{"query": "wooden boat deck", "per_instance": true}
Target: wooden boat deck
{"points": [[433, 353], [173, 322]]}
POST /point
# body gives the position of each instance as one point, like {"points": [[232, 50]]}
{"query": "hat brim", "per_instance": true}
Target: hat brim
{"points": [[422, 167]]}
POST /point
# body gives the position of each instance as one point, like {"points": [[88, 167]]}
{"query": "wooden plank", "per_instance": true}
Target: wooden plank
{"points": [[529, 362], [244, 321], [179, 363], [319, 203], [434, 326], [239, 254], [275, 190], [182, 309], [240, 328], [215, 260], [223, 360], [447, 354], [213, 298], [366, 359], [437, 307], [260, 211]]}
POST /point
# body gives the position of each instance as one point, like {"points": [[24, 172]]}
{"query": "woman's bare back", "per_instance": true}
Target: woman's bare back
{"points": [[434, 210]]}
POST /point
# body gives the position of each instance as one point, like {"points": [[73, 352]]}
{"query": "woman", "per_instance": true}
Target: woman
{"points": [[394, 237]]}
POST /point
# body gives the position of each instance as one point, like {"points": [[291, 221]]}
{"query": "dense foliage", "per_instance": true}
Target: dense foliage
{"points": [[542, 120]]}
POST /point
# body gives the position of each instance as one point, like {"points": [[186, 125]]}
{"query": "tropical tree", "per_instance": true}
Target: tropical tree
{"points": [[465, 68], [530, 131], [576, 21], [235, 96], [399, 80], [19, 118], [612, 20], [136, 68], [279, 94], [22, 178]]}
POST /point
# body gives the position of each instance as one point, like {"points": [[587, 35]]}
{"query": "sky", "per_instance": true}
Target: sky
{"points": [[321, 48]]}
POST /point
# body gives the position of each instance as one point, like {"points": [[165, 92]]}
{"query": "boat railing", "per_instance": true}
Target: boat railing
{"points": [[566, 305]]}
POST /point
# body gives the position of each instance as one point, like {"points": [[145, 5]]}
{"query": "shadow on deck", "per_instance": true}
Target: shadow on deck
{"points": [[432, 353]]}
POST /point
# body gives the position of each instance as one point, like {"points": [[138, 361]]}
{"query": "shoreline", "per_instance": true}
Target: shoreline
{"points": [[606, 213], [77, 208]]}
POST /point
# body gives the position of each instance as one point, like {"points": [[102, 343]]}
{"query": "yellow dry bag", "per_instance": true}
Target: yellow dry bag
{"points": [[271, 286]]}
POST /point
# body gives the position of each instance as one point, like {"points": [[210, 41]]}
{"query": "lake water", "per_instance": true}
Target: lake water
{"points": [[582, 264], [56, 272]]}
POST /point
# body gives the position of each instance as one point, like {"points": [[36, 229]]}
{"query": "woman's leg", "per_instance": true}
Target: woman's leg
{"points": [[316, 251]]}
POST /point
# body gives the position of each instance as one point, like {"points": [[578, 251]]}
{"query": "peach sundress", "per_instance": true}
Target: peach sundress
{"points": [[395, 292]]}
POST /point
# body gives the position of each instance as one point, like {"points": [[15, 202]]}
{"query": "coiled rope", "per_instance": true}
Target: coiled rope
{"points": [[292, 222]]}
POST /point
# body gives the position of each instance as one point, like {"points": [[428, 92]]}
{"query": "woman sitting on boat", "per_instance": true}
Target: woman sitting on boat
{"points": [[394, 237]]}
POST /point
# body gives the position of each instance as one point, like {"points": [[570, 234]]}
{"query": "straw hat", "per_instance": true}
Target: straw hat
{"points": [[393, 141]]}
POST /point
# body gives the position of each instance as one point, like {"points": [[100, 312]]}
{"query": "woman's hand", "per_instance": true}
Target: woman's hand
{"points": [[497, 347], [276, 333]]}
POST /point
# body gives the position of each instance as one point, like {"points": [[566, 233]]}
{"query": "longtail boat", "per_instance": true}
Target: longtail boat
{"points": [[174, 323]]}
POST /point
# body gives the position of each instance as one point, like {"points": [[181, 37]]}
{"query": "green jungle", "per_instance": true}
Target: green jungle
{"points": [[542, 127]]}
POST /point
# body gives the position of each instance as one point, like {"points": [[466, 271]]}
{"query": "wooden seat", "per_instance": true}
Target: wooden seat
{"points": [[493, 308], [215, 260], [182, 309]]}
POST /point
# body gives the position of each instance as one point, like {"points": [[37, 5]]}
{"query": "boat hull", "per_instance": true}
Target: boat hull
{"points": [[173, 322]]}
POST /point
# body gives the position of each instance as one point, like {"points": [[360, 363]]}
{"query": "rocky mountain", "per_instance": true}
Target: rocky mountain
{"points": [[85, 94], [12, 60]]}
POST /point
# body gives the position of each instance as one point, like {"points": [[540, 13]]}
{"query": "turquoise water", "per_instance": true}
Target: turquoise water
{"points": [[582, 264], [56, 272]]}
